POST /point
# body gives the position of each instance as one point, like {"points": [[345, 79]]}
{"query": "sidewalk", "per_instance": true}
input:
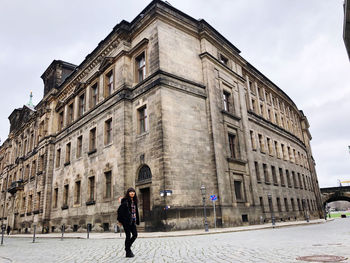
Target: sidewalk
{"points": [[110, 235]]}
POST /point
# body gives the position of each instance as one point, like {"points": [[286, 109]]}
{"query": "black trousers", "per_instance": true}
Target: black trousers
{"points": [[130, 229]]}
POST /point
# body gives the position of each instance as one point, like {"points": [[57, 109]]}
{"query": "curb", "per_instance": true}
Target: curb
{"points": [[231, 230]]}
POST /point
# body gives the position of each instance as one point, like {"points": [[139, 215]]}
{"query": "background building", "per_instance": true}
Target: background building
{"points": [[164, 102]]}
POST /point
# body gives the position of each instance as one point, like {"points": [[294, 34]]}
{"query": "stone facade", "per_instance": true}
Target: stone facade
{"points": [[163, 103]]}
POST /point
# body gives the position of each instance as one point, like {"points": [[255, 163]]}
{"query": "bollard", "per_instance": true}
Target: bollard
{"points": [[34, 233], [2, 233], [62, 232], [88, 230]]}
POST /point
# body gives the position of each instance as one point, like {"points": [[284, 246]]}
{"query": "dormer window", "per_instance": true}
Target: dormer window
{"points": [[223, 59]]}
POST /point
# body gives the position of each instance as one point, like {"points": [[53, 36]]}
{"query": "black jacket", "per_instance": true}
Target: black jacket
{"points": [[124, 212]]}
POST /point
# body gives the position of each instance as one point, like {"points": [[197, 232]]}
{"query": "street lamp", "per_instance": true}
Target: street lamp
{"points": [[273, 220], [203, 190]]}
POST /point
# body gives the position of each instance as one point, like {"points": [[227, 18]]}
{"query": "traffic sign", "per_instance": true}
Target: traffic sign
{"points": [[213, 198]]}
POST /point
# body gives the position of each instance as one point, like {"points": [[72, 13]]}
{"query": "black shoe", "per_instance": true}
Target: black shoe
{"points": [[129, 254]]}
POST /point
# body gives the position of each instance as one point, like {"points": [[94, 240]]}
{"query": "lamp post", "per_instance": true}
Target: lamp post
{"points": [[273, 220], [203, 191]]}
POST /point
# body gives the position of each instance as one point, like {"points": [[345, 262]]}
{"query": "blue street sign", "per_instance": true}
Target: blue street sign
{"points": [[213, 198]]}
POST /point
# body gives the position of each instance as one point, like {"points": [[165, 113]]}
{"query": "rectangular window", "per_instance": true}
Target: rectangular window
{"points": [[65, 195], [93, 95], [77, 193], [70, 114], [266, 174], [24, 204], [79, 146], [274, 176], [283, 152], [108, 131], [299, 206], [286, 204], [92, 188], [60, 120], [293, 204], [109, 80], [279, 207], [33, 168], [299, 181], [30, 201], [68, 151], [294, 179], [81, 110], [288, 179], [55, 197], [27, 172], [41, 163], [261, 143], [232, 145], [281, 177], [238, 190], [262, 204], [276, 150], [269, 146], [254, 105], [108, 180], [141, 67], [226, 100], [252, 140], [92, 140], [142, 117], [257, 171], [304, 182], [38, 200]]}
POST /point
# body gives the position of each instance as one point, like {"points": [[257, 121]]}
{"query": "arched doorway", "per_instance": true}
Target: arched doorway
{"points": [[143, 183]]}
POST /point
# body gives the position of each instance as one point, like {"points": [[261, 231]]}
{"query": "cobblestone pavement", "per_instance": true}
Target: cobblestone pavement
{"points": [[267, 245]]}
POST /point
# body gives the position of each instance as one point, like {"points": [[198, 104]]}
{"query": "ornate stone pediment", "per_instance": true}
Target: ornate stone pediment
{"points": [[106, 62]]}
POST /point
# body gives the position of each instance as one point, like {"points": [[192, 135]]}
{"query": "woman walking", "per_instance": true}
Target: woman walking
{"points": [[128, 216]]}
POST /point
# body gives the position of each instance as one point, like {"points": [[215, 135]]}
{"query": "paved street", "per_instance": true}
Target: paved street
{"points": [[267, 245]]}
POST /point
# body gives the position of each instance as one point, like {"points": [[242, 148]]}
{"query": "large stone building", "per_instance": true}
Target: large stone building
{"points": [[164, 102]]}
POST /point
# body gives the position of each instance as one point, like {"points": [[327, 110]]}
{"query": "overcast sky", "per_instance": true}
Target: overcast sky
{"points": [[297, 44]]}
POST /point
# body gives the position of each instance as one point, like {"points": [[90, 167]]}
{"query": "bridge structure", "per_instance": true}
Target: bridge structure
{"points": [[331, 194]]}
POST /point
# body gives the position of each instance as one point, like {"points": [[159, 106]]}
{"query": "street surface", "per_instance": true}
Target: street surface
{"points": [[267, 245]]}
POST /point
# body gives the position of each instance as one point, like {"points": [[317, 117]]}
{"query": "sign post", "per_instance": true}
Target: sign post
{"points": [[214, 198]]}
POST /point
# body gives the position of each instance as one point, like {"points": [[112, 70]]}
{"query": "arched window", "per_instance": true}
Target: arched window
{"points": [[144, 174]]}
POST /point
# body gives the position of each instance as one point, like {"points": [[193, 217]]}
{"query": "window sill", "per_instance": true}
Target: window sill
{"points": [[239, 161], [259, 182], [77, 205], [39, 173], [232, 115], [91, 202], [64, 207], [108, 145], [92, 151], [21, 215], [267, 182], [66, 163], [140, 135], [29, 213], [36, 212]]}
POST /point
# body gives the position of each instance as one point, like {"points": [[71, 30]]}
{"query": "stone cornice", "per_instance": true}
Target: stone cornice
{"points": [[218, 63]]}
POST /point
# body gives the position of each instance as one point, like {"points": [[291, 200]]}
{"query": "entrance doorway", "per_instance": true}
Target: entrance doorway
{"points": [[146, 203]]}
